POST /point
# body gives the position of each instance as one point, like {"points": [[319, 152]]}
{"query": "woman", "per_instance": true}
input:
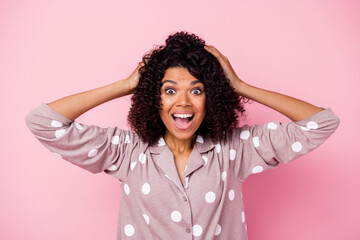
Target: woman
{"points": [[182, 165]]}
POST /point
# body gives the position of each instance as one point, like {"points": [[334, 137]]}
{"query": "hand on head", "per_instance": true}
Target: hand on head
{"points": [[225, 64], [135, 76]]}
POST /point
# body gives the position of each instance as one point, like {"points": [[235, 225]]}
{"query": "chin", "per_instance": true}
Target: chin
{"points": [[184, 136]]}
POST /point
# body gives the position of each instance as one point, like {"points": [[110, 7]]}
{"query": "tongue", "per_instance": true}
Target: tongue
{"points": [[182, 122]]}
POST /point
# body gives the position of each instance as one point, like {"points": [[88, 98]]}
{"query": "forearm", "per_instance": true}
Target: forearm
{"points": [[74, 105], [293, 108]]}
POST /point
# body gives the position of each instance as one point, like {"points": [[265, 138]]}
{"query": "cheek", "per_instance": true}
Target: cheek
{"points": [[201, 106], [165, 104], [164, 116]]}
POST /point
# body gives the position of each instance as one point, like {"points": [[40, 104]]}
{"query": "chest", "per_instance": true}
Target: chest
{"points": [[171, 177], [155, 190], [156, 185]]}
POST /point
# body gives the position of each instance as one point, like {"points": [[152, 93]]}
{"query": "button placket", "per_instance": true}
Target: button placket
{"points": [[187, 214], [185, 197]]}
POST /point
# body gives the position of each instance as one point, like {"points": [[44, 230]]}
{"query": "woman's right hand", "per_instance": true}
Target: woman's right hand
{"points": [[133, 79], [74, 105]]}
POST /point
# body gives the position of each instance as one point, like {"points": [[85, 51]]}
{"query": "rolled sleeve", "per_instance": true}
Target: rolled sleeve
{"points": [[264, 146], [92, 148]]}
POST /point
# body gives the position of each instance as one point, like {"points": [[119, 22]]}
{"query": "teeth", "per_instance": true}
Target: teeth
{"points": [[183, 115]]}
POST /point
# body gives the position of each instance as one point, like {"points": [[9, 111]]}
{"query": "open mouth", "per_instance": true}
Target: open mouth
{"points": [[183, 121]]}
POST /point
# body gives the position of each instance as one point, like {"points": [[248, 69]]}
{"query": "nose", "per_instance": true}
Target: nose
{"points": [[183, 100]]}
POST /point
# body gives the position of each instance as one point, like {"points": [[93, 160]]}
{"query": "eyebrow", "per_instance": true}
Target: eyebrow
{"points": [[174, 82]]}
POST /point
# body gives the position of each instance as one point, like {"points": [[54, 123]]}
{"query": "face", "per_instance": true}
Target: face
{"points": [[182, 103]]}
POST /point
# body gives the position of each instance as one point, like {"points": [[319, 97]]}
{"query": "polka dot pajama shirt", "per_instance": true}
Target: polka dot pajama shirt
{"points": [[155, 203]]}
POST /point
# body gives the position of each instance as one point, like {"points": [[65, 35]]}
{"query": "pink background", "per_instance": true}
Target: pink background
{"points": [[51, 49]]}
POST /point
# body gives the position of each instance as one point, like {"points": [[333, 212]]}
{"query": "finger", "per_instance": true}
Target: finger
{"points": [[213, 51], [148, 55]]}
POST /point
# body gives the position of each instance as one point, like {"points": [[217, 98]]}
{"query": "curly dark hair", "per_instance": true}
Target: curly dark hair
{"points": [[182, 49]]}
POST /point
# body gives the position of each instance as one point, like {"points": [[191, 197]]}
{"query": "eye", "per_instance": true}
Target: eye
{"points": [[169, 91], [196, 91]]}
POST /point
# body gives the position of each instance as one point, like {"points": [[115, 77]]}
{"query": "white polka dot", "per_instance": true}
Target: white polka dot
{"points": [[127, 139], [205, 159], [145, 188], [161, 142], [232, 154], [257, 169], [185, 168], [218, 148], [231, 194], [115, 140], [304, 128], [197, 230], [126, 189], [243, 216], [272, 125], [245, 227], [218, 230], [92, 152], [312, 125], [78, 125], [58, 155], [133, 164], [200, 139], [147, 219], [112, 168], [55, 123], [245, 135], [210, 197], [296, 146], [176, 216], [60, 132], [223, 175], [142, 158], [167, 176], [256, 141], [129, 230]]}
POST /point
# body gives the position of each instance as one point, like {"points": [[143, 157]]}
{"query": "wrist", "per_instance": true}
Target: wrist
{"points": [[129, 86], [239, 87], [122, 88]]}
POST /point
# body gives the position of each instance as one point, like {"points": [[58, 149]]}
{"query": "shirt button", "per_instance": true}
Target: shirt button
{"points": [[188, 230], [185, 199]]}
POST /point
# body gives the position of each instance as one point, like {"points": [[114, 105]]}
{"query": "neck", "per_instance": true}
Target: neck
{"points": [[179, 145]]}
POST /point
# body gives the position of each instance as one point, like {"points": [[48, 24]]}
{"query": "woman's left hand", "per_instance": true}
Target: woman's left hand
{"points": [[293, 108], [226, 66]]}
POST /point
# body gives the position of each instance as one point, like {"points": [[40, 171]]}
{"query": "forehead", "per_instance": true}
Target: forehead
{"points": [[178, 74]]}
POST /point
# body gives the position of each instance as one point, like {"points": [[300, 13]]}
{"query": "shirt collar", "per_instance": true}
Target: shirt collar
{"points": [[164, 158]]}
